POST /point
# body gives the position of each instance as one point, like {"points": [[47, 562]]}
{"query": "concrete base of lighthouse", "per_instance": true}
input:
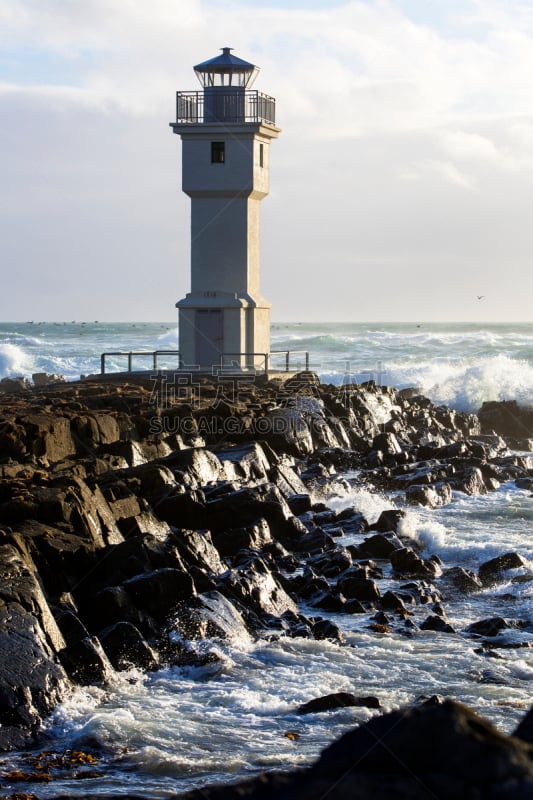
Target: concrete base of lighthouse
{"points": [[222, 330]]}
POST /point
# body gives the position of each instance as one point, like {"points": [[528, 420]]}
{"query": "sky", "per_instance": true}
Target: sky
{"points": [[401, 186]]}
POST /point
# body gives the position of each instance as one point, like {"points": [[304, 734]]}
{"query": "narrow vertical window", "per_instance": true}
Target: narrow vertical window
{"points": [[261, 155], [218, 152]]}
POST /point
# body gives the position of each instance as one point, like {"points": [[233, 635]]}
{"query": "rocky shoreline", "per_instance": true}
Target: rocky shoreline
{"points": [[138, 517]]}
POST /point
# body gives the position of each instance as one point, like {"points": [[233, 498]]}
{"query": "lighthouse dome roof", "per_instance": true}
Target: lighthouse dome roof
{"points": [[225, 70]]}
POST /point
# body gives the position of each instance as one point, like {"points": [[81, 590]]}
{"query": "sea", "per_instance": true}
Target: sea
{"points": [[182, 728]]}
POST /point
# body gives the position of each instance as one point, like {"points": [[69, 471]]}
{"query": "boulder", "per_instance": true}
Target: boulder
{"points": [[32, 681], [436, 623], [471, 482], [14, 386], [337, 700], [182, 510], [387, 443], [410, 744], [229, 542], [332, 562], [507, 418], [358, 588], [114, 604], [286, 431], [197, 548], [325, 629], [244, 462], [524, 729], [159, 592], [45, 379], [493, 571], [432, 496], [48, 436], [256, 589], [388, 520], [407, 562], [381, 545], [209, 615], [245, 506], [201, 465], [489, 627], [126, 647], [462, 579], [86, 662]]}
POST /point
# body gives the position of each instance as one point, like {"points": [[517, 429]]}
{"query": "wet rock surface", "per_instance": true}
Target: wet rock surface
{"points": [[131, 529]]}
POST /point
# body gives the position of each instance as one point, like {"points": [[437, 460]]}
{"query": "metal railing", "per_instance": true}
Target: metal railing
{"points": [[154, 355], [250, 360], [242, 106], [266, 366], [288, 354]]}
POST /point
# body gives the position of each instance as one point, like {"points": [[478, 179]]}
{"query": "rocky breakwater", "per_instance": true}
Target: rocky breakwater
{"points": [[138, 519]]}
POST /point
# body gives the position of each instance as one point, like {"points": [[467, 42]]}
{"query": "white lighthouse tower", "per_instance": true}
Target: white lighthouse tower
{"points": [[226, 131]]}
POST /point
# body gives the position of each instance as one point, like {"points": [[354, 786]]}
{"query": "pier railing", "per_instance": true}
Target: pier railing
{"points": [[154, 355], [260, 363]]}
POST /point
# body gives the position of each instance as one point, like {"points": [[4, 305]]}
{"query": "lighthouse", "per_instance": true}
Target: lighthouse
{"points": [[226, 130]]}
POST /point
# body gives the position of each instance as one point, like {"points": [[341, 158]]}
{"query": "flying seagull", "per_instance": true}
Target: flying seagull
{"points": [[480, 296]]}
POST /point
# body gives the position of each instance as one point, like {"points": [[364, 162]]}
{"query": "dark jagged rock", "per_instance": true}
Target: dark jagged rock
{"points": [[207, 616], [257, 589], [229, 542], [435, 623], [407, 562], [381, 545], [507, 418], [32, 681], [182, 510], [524, 730], [325, 629], [393, 602], [462, 579], [431, 496], [160, 591], [115, 604], [490, 627], [471, 482], [116, 514], [245, 506], [125, 647], [196, 548], [493, 571], [388, 520], [355, 588], [332, 562], [337, 700], [86, 662]]}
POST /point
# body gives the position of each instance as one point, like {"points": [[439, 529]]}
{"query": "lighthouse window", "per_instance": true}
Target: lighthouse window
{"points": [[261, 156], [218, 152]]}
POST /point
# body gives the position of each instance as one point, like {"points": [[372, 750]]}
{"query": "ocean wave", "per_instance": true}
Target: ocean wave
{"points": [[462, 384], [466, 385], [20, 339], [168, 340], [14, 361]]}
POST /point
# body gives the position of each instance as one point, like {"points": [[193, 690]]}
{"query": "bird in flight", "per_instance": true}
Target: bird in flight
{"points": [[480, 296]]}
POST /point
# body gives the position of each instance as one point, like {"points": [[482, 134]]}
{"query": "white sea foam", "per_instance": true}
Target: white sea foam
{"points": [[465, 384], [14, 361], [369, 504], [168, 340]]}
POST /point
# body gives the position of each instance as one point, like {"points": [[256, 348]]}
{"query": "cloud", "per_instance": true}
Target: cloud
{"points": [[407, 150]]}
